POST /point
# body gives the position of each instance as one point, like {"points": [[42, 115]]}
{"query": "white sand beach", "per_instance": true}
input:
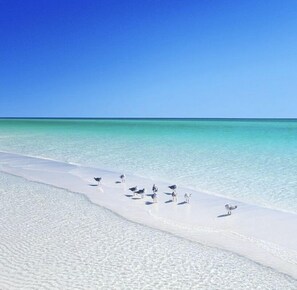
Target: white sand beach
{"points": [[55, 239], [263, 235]]}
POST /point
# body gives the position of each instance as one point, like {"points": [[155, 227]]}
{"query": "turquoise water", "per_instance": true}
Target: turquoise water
{"points": [[250, 160]]}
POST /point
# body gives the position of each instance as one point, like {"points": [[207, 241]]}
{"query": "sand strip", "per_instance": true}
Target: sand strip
{"points": [[264, 235]]}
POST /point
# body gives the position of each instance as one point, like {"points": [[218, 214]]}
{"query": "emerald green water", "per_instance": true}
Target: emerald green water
{"points": [[250, 160]]}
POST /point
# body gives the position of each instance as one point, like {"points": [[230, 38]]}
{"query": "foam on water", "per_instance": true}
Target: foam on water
{"points": [[54, 239], [253, 161]]}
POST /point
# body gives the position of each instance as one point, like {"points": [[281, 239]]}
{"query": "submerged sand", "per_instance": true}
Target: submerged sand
{"points": [[263, 235]]}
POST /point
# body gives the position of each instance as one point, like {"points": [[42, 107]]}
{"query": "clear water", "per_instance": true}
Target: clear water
{"points": [[250, 160], [82, 246]]}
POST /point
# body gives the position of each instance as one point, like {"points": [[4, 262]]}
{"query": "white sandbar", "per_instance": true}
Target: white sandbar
{"points": [[263, 235]]}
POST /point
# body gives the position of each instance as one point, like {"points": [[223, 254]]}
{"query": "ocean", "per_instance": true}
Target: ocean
{"points": [[254, 161]]}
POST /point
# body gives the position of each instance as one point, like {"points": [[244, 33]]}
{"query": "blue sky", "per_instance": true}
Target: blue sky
{"points": [[148, 58]]}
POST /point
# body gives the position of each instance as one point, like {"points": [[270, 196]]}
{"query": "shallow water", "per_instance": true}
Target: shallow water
{"points": [[54, 239], [250, 160]]}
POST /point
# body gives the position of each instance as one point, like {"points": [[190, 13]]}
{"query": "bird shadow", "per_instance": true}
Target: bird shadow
{"points": [[92, 184], [148, 203], [168, 193], [149, 194], [223, 215], [136, 198], [128, 195], [181, 203], [118, 182], [168, 201]]}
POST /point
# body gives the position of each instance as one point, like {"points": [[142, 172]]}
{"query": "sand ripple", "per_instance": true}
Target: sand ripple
{"points": [[54, 239]]}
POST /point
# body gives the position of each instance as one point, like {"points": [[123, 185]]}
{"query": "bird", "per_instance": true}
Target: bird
{"points": [[173, 187], [229, 208], [187, 197], [133, 189], [123, 177], [141, 191], [155, 188], [174, 196], [154, 197], [98, 179]]}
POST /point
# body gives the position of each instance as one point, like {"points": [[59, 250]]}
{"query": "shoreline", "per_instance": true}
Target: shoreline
{"points": [[263, 235]]}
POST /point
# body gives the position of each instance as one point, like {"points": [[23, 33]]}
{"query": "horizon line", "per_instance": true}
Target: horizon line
{"points": [[150, 118]]}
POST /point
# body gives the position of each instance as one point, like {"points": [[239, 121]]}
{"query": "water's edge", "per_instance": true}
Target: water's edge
{"points": [[206, 231]]}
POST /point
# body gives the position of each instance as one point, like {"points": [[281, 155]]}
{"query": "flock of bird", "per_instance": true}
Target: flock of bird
{"points": [[141, 193]]}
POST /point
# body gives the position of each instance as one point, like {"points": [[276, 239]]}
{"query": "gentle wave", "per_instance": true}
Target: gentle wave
{"points": [[253, 161]]}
